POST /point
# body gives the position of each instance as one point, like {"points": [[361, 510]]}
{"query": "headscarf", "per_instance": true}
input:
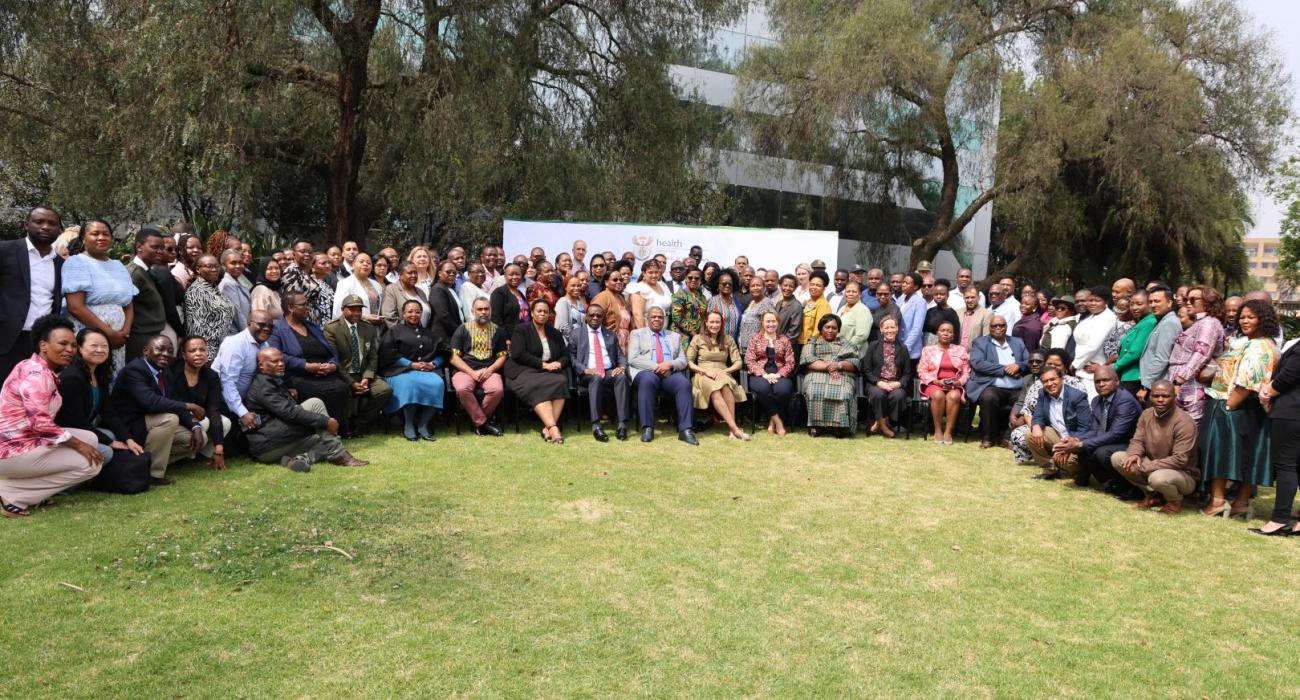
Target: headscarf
{"points": [[261, 274]]}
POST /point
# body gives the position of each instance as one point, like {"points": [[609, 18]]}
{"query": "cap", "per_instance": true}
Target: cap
{"points": [[819, 264], [858, 268], [1067, 300], [352, 300], [924, 266]]}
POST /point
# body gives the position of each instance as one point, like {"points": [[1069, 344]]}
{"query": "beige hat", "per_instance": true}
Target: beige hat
{"points": [[819, 264], [924, 266]]}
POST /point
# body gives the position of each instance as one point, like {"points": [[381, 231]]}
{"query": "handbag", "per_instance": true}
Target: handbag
{"points": [[126, 473]]}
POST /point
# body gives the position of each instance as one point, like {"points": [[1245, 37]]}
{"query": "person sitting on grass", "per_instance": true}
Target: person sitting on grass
{"points": [[1061, 412], [37, 457], [293, 435], [1022, 419], [1161, 459], [169, 429]]}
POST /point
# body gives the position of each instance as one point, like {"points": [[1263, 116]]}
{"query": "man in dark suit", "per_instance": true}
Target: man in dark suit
{"points": [[357, 345], [997, 363], [1113, 418], [1061, 412], [31, 285], [168, 429], [599, 364], [657, 363], [150, 314]]}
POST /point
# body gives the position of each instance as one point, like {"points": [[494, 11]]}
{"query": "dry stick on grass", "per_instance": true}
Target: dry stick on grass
{"points": [[322, 547], [78, 589]]}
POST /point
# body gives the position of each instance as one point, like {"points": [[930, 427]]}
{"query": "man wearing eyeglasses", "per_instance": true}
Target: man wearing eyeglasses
{"points": [[236, 364], [997, 363], [676, 276]]}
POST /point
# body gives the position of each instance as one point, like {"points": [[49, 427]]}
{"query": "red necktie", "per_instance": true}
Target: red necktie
{"points": [[659, 351], [162, 386], [600, 356]]}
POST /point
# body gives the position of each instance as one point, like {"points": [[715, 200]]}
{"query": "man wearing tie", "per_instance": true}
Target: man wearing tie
{"points": [[599, 365], [657, 363], [31, 284], [1114, 418], [168, 429], [357, 345]]}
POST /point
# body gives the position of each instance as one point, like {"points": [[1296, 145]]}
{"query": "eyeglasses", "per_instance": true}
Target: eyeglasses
{"points": [[997, 325], [264, 325]]}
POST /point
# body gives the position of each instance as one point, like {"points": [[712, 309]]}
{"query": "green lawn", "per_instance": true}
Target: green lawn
{"points": [[510, 568]]}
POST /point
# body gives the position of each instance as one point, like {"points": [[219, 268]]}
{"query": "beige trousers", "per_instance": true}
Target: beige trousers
{"points": [[31, 477], [1043, 455], [166, 442], [1170, 483]]}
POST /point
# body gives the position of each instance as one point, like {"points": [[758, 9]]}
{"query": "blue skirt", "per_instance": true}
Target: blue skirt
{"points": [[415, 388]]}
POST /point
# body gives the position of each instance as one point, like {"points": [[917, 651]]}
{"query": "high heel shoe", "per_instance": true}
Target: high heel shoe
{"points": [[1219, 511], [1247, 513]]}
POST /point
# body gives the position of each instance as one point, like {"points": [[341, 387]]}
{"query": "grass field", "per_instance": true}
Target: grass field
{"points": [[510, 568]]}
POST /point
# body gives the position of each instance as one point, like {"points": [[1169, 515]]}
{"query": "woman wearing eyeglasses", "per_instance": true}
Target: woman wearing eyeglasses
{"points": [[886, 308]]}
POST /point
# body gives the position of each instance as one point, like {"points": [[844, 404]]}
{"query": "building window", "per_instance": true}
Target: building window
{"points": [[1270, 251]]}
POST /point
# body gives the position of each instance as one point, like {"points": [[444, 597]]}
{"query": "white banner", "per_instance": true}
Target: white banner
{"points": [[765, 247]]}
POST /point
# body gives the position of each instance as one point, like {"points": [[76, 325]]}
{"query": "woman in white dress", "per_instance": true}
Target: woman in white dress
{"points": [[98, 290], [360, 284], [649, 292]]}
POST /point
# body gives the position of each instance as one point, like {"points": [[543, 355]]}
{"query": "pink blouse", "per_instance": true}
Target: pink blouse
{"points": [[28, 402]]}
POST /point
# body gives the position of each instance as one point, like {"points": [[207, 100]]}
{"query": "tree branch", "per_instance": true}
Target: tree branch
{"points": [[297, 74]]}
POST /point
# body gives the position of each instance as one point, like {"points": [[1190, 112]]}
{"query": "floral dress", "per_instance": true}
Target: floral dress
{"points": [[688, 310], [1193, 348], [1235, 443]]}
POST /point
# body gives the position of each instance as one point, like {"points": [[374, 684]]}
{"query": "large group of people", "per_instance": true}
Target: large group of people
{"points": [[194, 349]]}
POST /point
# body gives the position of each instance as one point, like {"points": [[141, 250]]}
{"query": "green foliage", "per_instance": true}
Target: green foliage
{"points": [[405, 120], [1286, 190]]}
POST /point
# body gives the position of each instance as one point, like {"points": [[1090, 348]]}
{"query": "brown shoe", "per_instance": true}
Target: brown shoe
{"points": [[985, 444], [1172, 508], [1151, 501], [347, 460]]}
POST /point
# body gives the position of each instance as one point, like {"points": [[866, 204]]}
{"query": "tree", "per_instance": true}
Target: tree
{"points": [[1286, 190], [1080, 96], [425, 115]]}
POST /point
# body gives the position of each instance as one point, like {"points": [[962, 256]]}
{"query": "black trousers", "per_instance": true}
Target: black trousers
{"points": [[1132, 388], [1285, 450], [21, 350], [773, 399], [1096, 463], [995, 410], [886, 404]]}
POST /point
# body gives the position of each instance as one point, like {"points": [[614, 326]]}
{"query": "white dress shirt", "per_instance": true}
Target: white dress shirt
{"points": [[591, 349], [42, 286]]}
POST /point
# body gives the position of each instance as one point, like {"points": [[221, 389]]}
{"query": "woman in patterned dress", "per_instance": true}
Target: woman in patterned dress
{"points": [[1194, 348], [208, 314], [830, 384], [689, 306]]}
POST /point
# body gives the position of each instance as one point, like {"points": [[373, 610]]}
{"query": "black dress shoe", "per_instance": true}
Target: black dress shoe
{"points": [[1283, 531], [160, 481], [647, 435], [1048, 476], [621, 433], [429, 438], [688, 436], [488, 429], [599, 433]]}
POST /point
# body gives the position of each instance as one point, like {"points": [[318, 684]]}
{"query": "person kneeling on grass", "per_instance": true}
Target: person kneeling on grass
{"points": [[1161, 459], [293, 435]]}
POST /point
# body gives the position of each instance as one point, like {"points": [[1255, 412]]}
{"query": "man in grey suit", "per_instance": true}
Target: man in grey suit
{"points": [[997, 363], [1155, 359], [657, 363], [600, 364]]}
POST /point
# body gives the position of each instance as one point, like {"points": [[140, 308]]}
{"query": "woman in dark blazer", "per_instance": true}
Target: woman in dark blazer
{"points": [[311, 365], [84, 386], [410, 357], [1281, 397], [445, 302], [887, 381], [189, 379], [509, 305], [537, 371]]}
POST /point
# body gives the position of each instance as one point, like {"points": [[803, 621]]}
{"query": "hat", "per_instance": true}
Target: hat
{"points": [[858, 268], [924, 266], [352, 300], [1067, 300], [819, 264]]}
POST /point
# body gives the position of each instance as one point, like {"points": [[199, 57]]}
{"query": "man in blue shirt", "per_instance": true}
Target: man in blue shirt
{"points": [[236, 363]]}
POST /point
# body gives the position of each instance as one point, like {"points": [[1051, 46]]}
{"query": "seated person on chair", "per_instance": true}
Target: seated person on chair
{"points": [[535, 371], [943, 370], [296, 436], [410, 357], [714, 358], [478, 352], [997, 363], [1062, 411], [657, 364], [830, 386], [356, 344], [168, 429], [599, 364], [1161, 459], [1114, 416], [770, 361], [311, 363], [887, 372]]}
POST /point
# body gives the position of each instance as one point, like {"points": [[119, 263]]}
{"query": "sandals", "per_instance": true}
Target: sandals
{"points": [[10, 510], [556, 441]]}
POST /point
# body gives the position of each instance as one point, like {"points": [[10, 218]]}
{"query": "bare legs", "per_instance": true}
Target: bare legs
{"points": [[1216, 505], [724, 402], [549, 413], [944, 404]]}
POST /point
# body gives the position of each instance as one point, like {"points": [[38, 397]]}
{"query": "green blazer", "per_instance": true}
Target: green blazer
{"points": [[336, 332], [149, 314], [1131, 347]]}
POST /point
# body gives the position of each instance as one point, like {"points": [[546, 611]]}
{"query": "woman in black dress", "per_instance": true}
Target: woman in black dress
{"points": [[537, 369], [311, 365], [193, 382], [509, 305], [410, 357]]}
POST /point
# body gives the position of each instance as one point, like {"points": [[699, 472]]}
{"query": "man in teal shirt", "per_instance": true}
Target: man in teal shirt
{"points": [[1128, 363]]}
